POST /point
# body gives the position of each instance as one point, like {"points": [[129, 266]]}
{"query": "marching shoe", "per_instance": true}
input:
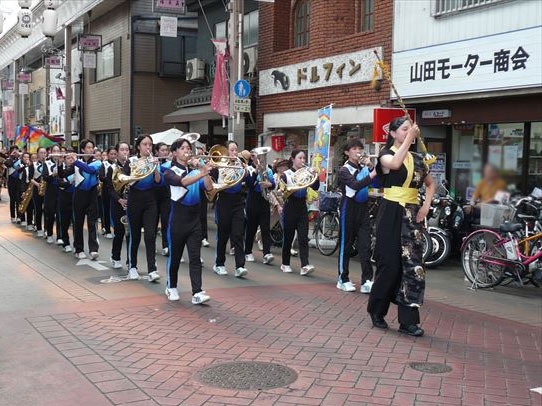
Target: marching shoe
{"points": [[346, 286], [232, 251], [23, 223], [205, 243], [133, 274], [307, 269], [94, 255], [200, 298], [249, 258], [165, 251], [260, 245], [154, 276], [50, 240], [172, 294], [30, 227], [39, 234], [366, 287], [220, 270], [13, 219], [182, 260], [116, 264], [268, 258], [68, 248], [286, 268], [378, 321], [80, 255], [240, 272], [59, 242], [411, 330], [18, 221], [293, 252], [109, 236]]}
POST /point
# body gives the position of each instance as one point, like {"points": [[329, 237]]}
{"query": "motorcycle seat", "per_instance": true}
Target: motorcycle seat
{"points": [[510, 227]]}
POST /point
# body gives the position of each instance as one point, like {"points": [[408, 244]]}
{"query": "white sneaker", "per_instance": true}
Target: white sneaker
{"points": [[307, 269], [293, 252], [18, 221], [23, 223], [286, 268], [182, 260], [232, 251], [68, 248], [240, 272], [172, 294], [366, 287], [109, 236], [220, 270], [260, 245], [154, 276], [94, 255], [13, 219], [50, 240], [133, 275], [30, 227], [249, 258], [59, 242], [116, 264], [39, 234], [268, 258], [200, 298], [165, 253], [205, 243], [346, 286], [80, 255]]}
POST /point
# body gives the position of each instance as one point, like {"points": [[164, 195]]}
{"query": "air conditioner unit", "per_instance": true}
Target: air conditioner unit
{"points": [[250, 58], [195, 69]]}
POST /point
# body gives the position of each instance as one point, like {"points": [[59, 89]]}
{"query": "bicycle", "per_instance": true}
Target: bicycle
{"points": [[489, 258], [327, 227]]}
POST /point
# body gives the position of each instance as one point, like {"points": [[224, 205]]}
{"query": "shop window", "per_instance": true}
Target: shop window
{"points": [[301, 23], [467, 153], [106, 139], [505, 149], [367, 15], [534, 178]]}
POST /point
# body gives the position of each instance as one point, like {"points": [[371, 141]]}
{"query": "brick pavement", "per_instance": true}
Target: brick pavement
{"points": [[150, 354]]}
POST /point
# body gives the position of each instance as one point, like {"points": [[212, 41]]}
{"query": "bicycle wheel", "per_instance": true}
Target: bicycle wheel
{"points": [[327, 233], [427, 245], [276, 234], [479, 256]]}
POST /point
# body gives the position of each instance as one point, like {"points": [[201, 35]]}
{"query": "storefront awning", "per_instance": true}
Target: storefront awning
{"points": [[194, 113]]}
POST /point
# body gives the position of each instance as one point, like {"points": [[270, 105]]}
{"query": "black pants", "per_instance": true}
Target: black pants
{"points": [[13, 191], [85, 203], [163, 204], [50, 205], [185, 229], [117, 212], [230, 219], [65, 215], [295, 217], [142, 212], [37, 200], [258, 214], [106, 209], [203, 218], [355, 225]]}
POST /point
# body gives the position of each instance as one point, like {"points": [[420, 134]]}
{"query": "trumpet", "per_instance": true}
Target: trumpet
{"points": [[218, 157]]}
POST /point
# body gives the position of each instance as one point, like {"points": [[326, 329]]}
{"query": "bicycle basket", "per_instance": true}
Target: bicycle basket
{"points": [[329, 201], [493, 215]]}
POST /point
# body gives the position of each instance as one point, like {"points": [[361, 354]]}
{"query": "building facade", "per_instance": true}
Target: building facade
{"points": [[473, 71]]}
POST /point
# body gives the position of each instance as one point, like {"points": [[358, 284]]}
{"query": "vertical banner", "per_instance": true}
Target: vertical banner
{"points": [[220, 101], [320, 146], [9, 122]]}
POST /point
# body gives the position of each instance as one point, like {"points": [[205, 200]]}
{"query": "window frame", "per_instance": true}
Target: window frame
{"points": [[247, 19], [116, 43], [301, 38], [100, 137], [443, 8], [367, 18]]}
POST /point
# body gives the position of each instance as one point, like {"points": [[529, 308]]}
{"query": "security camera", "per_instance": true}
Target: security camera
{"points": [[58, 75]]}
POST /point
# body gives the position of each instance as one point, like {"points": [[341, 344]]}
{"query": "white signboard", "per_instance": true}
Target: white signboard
{"points": [[241, 105], [495, 62], [23, 88], [335, 70], [168, 26], [436, 113], [89, 60]]}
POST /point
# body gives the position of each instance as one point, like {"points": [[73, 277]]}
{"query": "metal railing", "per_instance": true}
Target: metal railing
{"points": [[445, 7]]}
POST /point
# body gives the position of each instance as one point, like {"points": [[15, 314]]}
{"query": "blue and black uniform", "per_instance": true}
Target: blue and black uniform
{"points": [[35, 172], [13, 164], [184, 226], [354, 182], [24, 181], [258, 211], [117, 211], [295, 217], [106, 206], [66, 188], [163, 204], [142, 212], [50, 200]]}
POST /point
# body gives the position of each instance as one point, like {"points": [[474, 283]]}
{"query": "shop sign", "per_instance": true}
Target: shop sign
{"points": [[24, 77], [168, 26], [54, 62], [335, 70], [381, 121], [169, 6], [7, 84], [87, 42], [495, 62], [436, 113]]}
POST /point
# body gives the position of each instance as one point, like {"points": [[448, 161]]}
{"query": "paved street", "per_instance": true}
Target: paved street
{"points": [[68, 338]]}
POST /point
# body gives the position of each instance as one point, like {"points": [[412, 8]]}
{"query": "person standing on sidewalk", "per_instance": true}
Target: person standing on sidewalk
{"points": [[105, 197], [66, 188], [50, 200], [13, 163], [162, 195], [295, 217], [200, 150], [400, 276], [355, 176], [186, 187], [35, 174]]}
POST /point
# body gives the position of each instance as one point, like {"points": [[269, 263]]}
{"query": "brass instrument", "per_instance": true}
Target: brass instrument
{"points": [[231, 170], [218, 158], [428, 158], [26, 197], [42, 188], [262, 168], [301, 179], [139, 169]]}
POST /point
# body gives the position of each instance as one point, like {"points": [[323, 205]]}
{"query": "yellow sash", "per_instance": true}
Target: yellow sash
{"points": [[403, 194]]}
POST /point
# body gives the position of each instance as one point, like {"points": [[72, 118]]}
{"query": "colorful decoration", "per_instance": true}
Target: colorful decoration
{"points": [[34, 138], [277, 142]]}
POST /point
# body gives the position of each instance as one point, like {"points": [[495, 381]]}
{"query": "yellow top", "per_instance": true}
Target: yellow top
{"points": [[403, 194]]}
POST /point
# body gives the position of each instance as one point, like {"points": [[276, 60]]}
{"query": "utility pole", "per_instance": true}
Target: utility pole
{"points": [[68, 93], [236, 122]]}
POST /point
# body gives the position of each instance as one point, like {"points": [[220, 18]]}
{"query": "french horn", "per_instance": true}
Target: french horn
{"points": [[301, 179], [139, 169]]}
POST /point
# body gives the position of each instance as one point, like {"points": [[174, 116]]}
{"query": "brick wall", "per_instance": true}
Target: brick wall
{"points": [[333, 30]]}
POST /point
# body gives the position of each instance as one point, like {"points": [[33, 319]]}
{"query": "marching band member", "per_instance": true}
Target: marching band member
{"points": [[24, 181], [118, 203], [295, 217], [258, 211], [400, 276], [162, 195], [354, 180], [13, 163], [200, 150], [105, 197], [142, 211], [66, 188], [186, 187], [85, 199], [230, 217], [35, 173], [50, 200]]}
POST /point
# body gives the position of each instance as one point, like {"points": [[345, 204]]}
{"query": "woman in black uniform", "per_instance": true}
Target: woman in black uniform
{"points": [[400, 276], [50, 200]]}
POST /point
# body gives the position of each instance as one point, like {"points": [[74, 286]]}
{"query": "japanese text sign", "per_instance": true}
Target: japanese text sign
{"points": [[89, 42], [495, 62], [355, 67]]}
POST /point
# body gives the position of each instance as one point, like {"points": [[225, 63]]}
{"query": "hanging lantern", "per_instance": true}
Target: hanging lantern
{"points": [[277, 142], [24, 22], [49, 23], [51, 4], [25, 3]]}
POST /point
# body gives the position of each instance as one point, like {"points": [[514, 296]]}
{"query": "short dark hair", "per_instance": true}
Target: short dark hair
{"points": [[83, 144], [111, 149], [178, 143], [139, 140], [353, 142]]}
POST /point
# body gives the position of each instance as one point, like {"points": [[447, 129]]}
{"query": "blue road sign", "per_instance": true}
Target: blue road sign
{"points": [[241, 89]]}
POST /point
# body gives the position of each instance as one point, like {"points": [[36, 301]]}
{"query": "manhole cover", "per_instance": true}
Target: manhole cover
{"points": [[430, 367], [247, 375]]}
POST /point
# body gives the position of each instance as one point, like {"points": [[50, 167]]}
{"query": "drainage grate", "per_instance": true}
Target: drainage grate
{"points": [[430, 367], [247, 375]]}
